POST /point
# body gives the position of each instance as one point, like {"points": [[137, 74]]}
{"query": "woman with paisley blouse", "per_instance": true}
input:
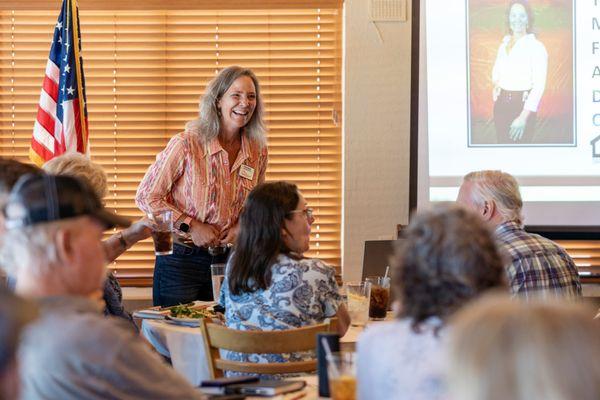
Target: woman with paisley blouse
{"points": [[204, 175], [269, 285]]}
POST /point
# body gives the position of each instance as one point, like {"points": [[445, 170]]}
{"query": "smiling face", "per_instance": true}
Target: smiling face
{"points": [[518, 19], [237, 104]]}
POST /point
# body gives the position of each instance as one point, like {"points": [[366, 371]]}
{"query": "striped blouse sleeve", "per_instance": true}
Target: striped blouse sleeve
{"points": [[262, 165], [161, 177]]}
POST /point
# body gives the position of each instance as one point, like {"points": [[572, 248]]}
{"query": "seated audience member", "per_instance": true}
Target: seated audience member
{"points": [[10, 171], [447, 258], [538, 267], [79, 166], [269, 284], [54, 226], [505, 349], [15, 313]]}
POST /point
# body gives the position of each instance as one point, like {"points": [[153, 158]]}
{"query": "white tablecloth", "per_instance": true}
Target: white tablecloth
{"points": [[185, 347], [182, 344]]}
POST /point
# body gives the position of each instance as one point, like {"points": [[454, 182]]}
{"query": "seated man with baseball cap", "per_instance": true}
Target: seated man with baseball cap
{"points": [[53, 245]]}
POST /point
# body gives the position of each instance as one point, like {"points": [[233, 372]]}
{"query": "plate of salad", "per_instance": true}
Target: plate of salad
{"points": [[189, 316]]}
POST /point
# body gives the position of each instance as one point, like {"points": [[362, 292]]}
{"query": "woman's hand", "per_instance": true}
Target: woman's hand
{"points": [[230, 235], [139, 230], [118, 243], [517, 128], [204, 235]]}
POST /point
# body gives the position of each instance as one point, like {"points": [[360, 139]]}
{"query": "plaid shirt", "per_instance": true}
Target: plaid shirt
{"points": [[538, 266]]}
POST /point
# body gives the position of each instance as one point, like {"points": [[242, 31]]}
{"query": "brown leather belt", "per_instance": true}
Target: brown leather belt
{"points": [[212, 250]]}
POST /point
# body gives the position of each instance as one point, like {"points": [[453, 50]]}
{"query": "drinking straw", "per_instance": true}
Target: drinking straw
{"points": [[329, 356], [386, 278]]}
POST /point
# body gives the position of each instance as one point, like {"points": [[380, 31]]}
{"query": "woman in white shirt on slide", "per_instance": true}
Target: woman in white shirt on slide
{"points": [[519, 77]]}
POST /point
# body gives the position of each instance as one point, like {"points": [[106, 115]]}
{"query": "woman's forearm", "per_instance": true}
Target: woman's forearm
{"points": [[524, 115], [114, 246], [343, 320], [118, 243]]}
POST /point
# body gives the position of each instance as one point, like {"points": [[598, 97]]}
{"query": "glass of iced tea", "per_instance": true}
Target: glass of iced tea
{"points": [[380, 297], [341, 368], [162, 232]]}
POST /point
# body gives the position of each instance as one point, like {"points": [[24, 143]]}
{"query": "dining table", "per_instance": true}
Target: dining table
{"points": [[184, 346]]}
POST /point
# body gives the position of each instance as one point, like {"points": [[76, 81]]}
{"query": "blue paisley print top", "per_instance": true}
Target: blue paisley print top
{"points": [[302, 292]]}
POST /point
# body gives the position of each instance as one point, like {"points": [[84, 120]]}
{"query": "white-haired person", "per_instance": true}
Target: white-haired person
{"points": [[54, 226], [538, 267], [446, 259], [80, 166], [204, 176], [503, 348]]}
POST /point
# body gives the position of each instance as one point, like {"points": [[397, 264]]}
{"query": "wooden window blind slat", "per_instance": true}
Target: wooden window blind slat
{"points": [[146, 68]]}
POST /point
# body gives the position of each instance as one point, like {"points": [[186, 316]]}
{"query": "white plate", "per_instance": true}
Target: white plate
{"points": [[183, 321], [161, 312]]}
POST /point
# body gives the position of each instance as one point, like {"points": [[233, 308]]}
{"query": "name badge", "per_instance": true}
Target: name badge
{"points": [[246, 171]]}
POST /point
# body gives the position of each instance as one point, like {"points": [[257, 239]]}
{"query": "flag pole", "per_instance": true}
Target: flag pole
{"points": [[82, 97]]}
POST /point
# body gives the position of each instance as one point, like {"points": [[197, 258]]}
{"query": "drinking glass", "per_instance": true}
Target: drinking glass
{"points": [[358, 302], [380, 297], [217, 273], [162, 232], [341, 368]]}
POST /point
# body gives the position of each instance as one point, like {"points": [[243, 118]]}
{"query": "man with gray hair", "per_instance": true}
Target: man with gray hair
{"points": [[538, 266], [54, 227]]}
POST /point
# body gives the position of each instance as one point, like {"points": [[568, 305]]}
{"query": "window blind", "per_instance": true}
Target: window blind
{"points": [[145, 70], [586, 255]]}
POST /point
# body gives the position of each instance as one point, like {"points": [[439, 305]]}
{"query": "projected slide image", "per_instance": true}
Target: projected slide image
{"points": [[468, 67], [520, 73]]}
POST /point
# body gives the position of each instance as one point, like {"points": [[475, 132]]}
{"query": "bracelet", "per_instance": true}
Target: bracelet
{"points": [[122, 239]]}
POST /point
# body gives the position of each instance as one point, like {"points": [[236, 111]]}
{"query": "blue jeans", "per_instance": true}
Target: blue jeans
{"points": [[183, 276]]}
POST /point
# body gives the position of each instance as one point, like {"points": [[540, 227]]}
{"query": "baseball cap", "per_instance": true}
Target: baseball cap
{"points": [[45, 198]]}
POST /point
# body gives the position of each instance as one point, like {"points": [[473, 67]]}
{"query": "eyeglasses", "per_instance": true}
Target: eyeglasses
{"points": [[308, 212]]}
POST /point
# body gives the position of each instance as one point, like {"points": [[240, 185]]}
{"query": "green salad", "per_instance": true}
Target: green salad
{"points": [[187, 312]]}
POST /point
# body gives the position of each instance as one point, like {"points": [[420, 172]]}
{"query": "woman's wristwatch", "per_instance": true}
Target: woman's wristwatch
{"points": [[184, 226]]}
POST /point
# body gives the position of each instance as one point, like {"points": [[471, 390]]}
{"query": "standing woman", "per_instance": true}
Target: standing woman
{"points": [[204, 175], [519, 77]]}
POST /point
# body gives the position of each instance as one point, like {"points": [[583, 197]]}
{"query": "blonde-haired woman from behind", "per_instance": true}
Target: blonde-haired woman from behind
{"points": [[508, 349]]}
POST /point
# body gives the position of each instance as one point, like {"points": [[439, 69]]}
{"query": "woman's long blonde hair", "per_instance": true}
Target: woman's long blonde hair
{"points": [[208, 124], [509, 349]]}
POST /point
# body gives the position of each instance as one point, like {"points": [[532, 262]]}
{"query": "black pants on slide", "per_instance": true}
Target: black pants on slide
{"points": [[507, 107]]}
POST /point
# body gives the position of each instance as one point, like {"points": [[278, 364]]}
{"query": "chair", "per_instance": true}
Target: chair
{"points": [[218, 337]]}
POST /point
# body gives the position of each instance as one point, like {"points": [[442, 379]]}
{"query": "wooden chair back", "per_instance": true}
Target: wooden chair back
{"points": [[218, 337]]}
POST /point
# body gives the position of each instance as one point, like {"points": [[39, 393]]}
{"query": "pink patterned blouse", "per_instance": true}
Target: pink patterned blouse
{"points": [[197, 180]]}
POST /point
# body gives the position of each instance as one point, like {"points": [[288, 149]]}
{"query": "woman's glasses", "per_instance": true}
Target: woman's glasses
{"points": [[307, 211]]}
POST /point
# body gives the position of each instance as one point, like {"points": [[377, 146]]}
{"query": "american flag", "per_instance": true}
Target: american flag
{"points": [[61, 124]]}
